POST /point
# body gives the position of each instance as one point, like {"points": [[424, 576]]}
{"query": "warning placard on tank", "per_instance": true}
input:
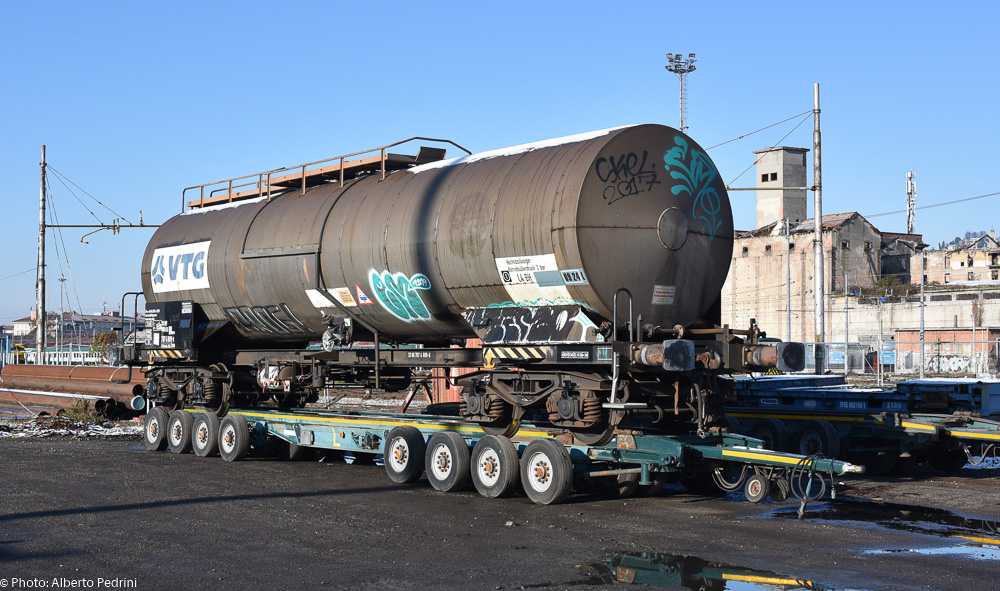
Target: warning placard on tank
{"points": [[663, 295]]}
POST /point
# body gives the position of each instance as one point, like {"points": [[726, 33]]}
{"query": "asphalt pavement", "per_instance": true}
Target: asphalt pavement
{"points": [[108, 514]]}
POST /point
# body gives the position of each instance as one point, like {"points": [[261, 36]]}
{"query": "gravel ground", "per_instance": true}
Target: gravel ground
{"points": [[84, 507]]}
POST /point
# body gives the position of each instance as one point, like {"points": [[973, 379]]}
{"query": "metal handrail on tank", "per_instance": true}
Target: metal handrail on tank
{"points": [[263, 182], [614, 337]]}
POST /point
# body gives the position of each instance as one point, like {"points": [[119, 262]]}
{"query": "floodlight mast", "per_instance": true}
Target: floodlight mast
{"points": [[682, 66]]}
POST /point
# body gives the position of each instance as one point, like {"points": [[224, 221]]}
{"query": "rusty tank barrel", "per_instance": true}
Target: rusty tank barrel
{"points": [[562, 222]]}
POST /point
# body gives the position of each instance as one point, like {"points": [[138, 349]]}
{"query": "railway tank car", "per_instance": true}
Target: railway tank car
{"points": [[590, 267]]}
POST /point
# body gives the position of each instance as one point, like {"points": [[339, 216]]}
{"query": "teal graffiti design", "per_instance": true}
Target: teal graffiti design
{"points": [[696, 173], [559, 301], [398, 294]]}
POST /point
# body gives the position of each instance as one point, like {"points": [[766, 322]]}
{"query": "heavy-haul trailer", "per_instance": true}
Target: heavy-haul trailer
{"points": [[546, 462], [947, 422]]}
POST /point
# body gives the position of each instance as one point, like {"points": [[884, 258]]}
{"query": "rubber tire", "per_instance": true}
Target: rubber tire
{"points": [[780, 490], [651, 490], [179, 429], [772, 432], [234, 438], [547, 472], [205, 435], [757, 488], [447, 462], [507, 475], [621, 486], [403, 454], [813, 432], [947, 460], [154, 429]]}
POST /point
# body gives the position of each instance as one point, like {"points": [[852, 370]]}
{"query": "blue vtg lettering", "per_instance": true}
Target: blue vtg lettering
{"points": [[183, 267]]}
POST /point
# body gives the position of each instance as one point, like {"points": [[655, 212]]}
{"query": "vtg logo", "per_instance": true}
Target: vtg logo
{"points": [[183, 267]]}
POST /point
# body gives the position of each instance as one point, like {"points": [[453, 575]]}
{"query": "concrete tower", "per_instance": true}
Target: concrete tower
{"points": [[781, 166]]}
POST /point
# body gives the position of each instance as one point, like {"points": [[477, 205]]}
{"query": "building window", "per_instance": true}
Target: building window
{"points": [[972, 275], [947, 277], [767, 250], [993, 274], [868, 245], [947, 260], [791, 246], [746, 252], [961, 263], [768, 176], [845, 244]]}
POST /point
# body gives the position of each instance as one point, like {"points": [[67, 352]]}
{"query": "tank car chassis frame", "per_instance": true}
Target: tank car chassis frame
{"points": [[546, 461]]}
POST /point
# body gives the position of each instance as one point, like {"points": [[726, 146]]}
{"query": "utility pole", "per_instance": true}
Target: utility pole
{"points": [[847, 324], [911, 201], [40, 274], [115, 227], [820, 327], [678, 64], [920, 248]]}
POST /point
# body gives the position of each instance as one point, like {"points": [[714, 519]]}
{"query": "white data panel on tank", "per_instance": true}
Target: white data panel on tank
{"points": [[178, 268]]}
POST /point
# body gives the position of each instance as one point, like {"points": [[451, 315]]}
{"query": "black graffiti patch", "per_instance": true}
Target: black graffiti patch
{"points": [[275, 319]]}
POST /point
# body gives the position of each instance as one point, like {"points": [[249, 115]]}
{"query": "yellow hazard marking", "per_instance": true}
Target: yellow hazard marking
{"points": [[488, 360], [919, 427], [761, 456], [382, 423], [766, 580]]}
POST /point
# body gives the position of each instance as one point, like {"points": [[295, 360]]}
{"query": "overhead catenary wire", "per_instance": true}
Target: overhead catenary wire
{"points": [[60, 177], [54, 216]]}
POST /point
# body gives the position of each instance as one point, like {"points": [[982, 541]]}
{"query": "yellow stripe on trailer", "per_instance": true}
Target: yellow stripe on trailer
{"points": [[979, 540], [746, 455], [971, 435], [380, 423], [919, 427], [515, 353]]}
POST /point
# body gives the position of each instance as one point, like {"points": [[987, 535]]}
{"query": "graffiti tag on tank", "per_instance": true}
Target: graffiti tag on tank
{"points": [[626, 175], [276, 320], [696, 174], [398, 294]]}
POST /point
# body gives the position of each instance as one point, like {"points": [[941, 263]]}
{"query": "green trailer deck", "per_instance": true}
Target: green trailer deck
{"points": [[546, 462]]}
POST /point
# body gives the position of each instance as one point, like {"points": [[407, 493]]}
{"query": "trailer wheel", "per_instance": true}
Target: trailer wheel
{"points": [[234, 438], [757, 488], [403, 454], [447, 461], [780, 489], [620, 486], [547, 472], [651, 490], [772, 432], [495, 466], [948, 460], [205, 435], [154, 429], [179, 428], [817, 437]]}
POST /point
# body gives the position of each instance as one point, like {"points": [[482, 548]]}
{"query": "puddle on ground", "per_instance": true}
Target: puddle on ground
{"points": [[668, 570], [968, 537]]}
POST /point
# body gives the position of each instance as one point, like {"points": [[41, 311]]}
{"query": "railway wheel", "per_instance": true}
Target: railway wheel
{"points": [[495, 466], [205, 435], [547, 472], [234, 438], [948, 460], [771, 431], [403, 454], [154, 429], [757, 488], [179, 428], [817, 437], [448, 461]]}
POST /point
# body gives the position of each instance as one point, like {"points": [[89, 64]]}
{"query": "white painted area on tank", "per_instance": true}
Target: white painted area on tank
{"points": [[570, 139]]}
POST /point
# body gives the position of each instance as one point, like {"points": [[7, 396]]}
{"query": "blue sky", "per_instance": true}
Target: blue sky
{"points": [[136, 101]]}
